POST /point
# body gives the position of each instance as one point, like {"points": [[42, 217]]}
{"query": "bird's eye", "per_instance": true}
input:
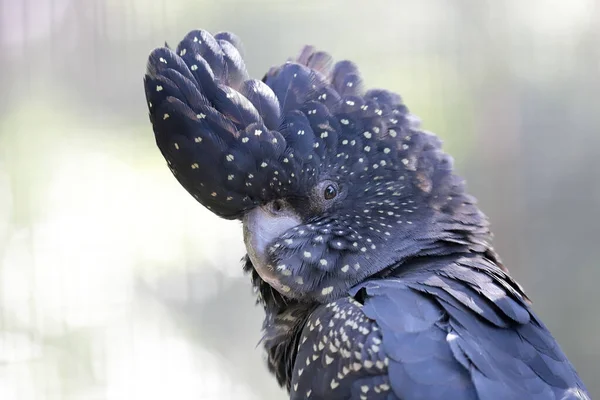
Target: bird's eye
{"points": [[330, 192]]}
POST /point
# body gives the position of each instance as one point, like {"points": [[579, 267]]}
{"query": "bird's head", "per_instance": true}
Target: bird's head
{"points": [[333, 183]]}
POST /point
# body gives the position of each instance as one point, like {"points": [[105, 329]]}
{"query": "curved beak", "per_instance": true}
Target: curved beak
{"points": [[263, 225]]}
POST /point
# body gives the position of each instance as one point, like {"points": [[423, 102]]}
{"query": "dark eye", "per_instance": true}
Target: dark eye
{"points": [[330, 192]]}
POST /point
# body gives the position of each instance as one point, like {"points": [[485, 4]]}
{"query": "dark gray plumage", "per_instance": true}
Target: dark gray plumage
{"points": [[374, 266]]}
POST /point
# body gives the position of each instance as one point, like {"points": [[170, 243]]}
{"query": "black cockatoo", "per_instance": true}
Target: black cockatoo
{"points": [[373, 264]]}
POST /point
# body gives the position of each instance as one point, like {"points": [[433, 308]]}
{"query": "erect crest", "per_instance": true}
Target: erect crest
{"points": [[235, 142]]}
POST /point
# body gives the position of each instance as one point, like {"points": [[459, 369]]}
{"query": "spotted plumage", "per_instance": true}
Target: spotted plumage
{"points": [[373, 264]]}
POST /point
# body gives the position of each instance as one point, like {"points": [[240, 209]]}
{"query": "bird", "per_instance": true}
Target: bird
{"points": [[373, 264]]}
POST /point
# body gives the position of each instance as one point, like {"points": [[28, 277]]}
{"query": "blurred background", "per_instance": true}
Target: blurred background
{"points": [[115, 284]]}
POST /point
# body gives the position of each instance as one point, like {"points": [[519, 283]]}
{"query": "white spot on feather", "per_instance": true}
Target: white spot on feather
{"points": [[327, 290]]}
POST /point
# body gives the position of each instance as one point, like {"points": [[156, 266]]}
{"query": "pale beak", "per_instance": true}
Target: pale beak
{"points": [[262, 226]]}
